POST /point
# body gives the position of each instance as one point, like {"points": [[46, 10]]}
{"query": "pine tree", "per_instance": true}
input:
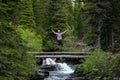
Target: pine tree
{"points": [[56, 19], [110, 31], [15, 63], [40, 13], [79, 20], [26, 14]]}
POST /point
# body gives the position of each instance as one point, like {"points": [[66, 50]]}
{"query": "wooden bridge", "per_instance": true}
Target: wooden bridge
{"points": [[60, 54]]}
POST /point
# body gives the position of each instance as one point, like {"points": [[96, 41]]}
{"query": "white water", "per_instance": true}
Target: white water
{"points": [[61, 72], [49, 61], [64, 68]]}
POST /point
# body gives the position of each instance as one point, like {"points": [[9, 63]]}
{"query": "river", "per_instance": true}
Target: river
{"points": [[55, 70]]}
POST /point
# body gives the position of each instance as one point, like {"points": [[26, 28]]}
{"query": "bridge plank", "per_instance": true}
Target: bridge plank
{"points": [[61, 54]]}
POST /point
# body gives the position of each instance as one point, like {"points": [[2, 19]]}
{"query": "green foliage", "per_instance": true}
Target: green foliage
{"points": [[3, 10], [31, 40], [99, 65], [69, 40], [15, 62], [52, 15], [52, 46], [79, 20], [40, 14], [111, 25], [26, 14], [88, 19]]}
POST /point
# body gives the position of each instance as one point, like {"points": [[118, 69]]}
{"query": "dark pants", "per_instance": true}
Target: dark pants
{"points": [[59, 42]]}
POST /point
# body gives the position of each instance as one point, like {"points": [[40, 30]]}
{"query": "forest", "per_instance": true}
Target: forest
{"points": [[26, 25]]}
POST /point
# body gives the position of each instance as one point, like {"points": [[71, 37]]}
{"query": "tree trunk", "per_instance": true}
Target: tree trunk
{"points": [[98, 42], [112, 39]]}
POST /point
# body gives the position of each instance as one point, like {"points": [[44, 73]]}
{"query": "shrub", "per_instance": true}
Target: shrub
{"points": [[31, 40], [99, 66]]}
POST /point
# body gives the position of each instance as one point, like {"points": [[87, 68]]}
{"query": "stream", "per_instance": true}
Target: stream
{"points": [[53, 70]]}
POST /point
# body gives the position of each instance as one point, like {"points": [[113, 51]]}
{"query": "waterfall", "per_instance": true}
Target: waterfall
{"points": [[64, 68], [49, 61], [62, 71]]}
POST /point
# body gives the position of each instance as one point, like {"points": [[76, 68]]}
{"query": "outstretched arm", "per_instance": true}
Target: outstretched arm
{"points": [[54, 32], [64, 31]]}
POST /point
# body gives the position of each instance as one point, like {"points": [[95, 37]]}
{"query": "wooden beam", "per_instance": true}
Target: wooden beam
{"points": [[61, 54]]}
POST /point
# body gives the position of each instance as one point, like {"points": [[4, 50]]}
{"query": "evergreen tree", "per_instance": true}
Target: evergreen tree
{"points": [[56, 18], [15, 62], [110, 31], [79, 20], [99, 22], [26, 14], [40, 13]]}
